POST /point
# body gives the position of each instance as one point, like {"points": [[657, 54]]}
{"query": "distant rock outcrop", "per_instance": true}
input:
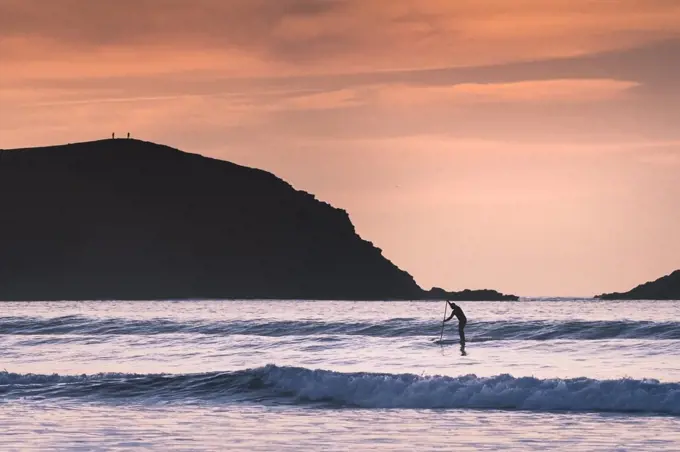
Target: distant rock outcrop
{"points": [[664, 288], [127, 219], [467, 295]]}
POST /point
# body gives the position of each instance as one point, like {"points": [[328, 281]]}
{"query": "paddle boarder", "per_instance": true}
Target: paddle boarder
{"points": [[462, 320]]}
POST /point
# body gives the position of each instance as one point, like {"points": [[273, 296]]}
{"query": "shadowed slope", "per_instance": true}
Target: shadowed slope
{"points": [[665, 288], [127, 219]]}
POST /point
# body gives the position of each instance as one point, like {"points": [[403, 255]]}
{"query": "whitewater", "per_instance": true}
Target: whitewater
{"points": [[577, 374]]}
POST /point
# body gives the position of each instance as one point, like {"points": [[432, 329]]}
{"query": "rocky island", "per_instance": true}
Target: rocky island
{"points": [[665, 288], [128, 219]]}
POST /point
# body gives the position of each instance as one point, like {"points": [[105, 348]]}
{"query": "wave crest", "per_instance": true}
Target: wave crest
{"points": [[296, 385], [401, 327]]}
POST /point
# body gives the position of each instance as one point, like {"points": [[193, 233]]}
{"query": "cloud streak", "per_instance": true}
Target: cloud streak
{"points": [[559, 90], [255, 37]]}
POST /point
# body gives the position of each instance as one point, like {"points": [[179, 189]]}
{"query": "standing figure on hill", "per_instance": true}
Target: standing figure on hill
{"points": [[462, 320]]}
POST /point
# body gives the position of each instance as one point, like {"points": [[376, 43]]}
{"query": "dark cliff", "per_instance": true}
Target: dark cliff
{"points": [[127, 219], [665, 288]]}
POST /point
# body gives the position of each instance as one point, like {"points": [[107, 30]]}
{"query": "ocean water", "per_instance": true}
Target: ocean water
{"points": [[317, 375]]}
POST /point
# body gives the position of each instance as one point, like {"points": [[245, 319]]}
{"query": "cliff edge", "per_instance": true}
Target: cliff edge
{"points": [[128, 219]]}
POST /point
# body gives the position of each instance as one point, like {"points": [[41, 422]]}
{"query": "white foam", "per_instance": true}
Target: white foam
{"points": [[361, 389], [500, 392]]}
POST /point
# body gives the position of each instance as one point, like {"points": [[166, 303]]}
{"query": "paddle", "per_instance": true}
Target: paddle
{"points": [[442, 333]]}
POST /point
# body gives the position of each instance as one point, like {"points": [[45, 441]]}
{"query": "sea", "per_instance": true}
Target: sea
{"points": [[262, 375]]}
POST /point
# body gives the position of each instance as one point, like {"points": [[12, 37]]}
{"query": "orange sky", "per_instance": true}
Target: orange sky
{"points": [[529, 146]]}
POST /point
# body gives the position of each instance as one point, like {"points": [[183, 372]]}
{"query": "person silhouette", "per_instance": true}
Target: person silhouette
{"points": [[462, 321]]}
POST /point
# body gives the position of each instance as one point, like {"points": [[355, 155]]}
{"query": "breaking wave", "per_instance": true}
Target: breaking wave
{"points": [[300, 386], [400, 327]]}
